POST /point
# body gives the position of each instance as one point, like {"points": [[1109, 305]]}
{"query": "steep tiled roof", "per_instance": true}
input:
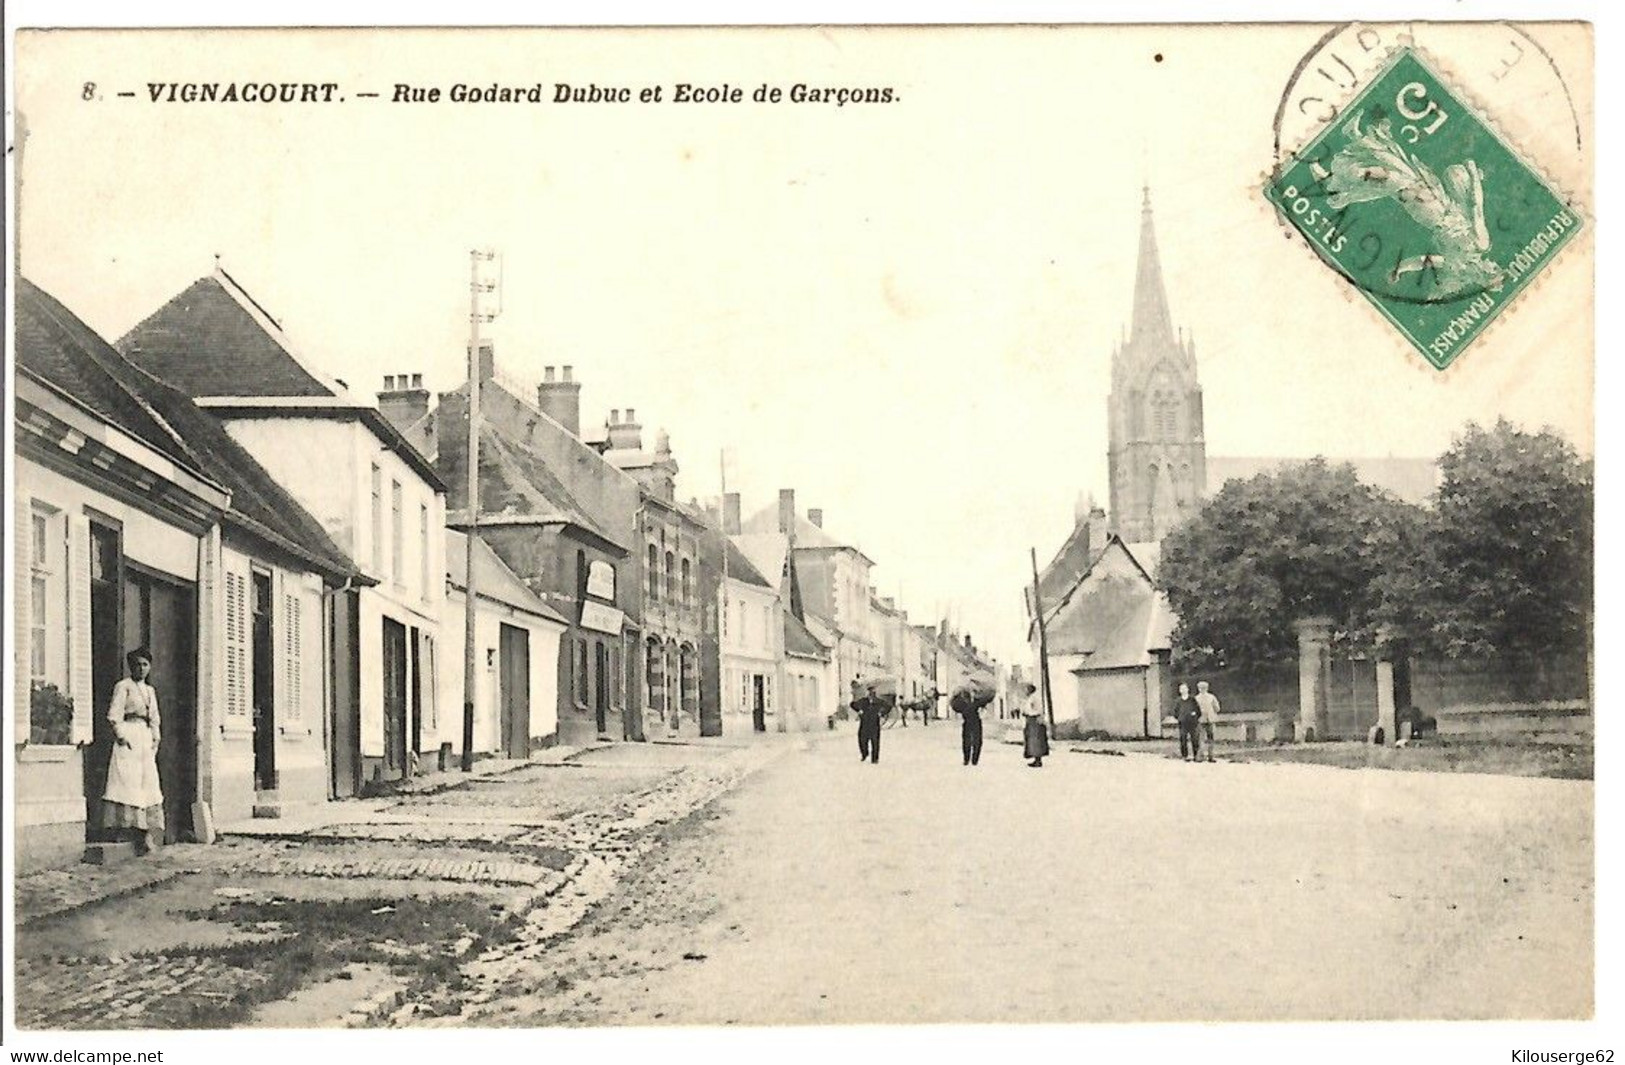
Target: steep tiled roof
{"points": [[808, 535], [492, 578], [740, 568], [61, 349], [54, 345], [208, 341], [799, 640], [765, 552], [516, 482]]}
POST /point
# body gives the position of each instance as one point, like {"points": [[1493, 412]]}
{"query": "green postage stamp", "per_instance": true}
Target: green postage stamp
{"points": [[1422, 207]]}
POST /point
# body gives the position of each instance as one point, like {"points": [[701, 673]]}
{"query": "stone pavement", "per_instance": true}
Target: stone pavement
{"points": [[541, 831]]}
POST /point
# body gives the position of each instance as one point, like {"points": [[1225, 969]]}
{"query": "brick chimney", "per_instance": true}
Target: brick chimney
{"points": [[1097, 530], [403, 400], [625, 434], [560, 398], [816, 516], [730, 514], [488, 360], [787, 512]]}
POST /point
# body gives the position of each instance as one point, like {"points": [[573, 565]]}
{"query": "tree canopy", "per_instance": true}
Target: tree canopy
{"points": [[1499, 564], [1308, 539], [1506, 566]]}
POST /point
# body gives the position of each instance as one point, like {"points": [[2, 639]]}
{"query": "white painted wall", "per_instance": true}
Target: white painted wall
{"points": [[314, 460], [300, 708], [148, 540], [544, 636]]}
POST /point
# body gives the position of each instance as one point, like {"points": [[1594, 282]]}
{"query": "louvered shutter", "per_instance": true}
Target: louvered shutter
{"points": [[280, 693], [208, 631], [22, 588], [80, 687], [236, 658], [293, 654]]}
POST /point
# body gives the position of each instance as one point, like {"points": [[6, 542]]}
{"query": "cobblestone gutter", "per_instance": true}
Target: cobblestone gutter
{"points": [[548, 872]]}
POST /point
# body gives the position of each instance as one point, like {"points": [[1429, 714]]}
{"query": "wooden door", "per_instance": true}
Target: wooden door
{"points": [[161, 615], [346, 667], [263, 685], [394, 680], [106, 663], [514, 680], [601, 683]]}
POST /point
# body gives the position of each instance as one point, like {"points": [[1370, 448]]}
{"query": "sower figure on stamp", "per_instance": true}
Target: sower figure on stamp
{"points": [[1188, 715]]}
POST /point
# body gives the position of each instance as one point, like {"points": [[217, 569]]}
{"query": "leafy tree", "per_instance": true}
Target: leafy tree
{"points": [[1308, 539], [1507, 564]]}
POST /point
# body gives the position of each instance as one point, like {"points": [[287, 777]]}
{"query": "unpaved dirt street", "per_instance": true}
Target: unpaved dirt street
{"points": [[1094, 888]]}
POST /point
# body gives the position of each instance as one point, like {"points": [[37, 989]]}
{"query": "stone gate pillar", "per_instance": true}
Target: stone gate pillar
{"points": [[1387, 718], [1314, 675]]}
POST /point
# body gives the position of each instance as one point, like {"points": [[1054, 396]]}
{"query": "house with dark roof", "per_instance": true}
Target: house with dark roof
{"points": [[560, 518], [812, 697], [832, 582], [753, 647], [516, 654], [1109, 637], [374, 494], [682, 556], [146, 525]]}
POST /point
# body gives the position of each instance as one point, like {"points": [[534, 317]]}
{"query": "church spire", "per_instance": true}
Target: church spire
{"points": [[1152, 322]]}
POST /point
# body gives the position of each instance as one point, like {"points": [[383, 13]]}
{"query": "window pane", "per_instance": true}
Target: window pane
{"points": [[41, 546], [423, 550], [37, 626], [395, 531], [377, 519]]}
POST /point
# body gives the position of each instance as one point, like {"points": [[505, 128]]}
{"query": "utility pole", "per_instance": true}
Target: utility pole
{"points": [[470, 649], [1043, 648], [722, 598]]}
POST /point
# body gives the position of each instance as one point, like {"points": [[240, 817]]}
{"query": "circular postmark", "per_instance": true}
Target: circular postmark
{"points": [[1352, 154]]}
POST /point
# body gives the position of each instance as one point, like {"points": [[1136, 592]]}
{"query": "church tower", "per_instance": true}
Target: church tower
{"points": [[1155, 452]]}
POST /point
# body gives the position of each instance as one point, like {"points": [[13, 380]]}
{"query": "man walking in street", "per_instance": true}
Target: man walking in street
{"points": [[1188, 715], [869, 708], [970, 730], [1208, 703]]}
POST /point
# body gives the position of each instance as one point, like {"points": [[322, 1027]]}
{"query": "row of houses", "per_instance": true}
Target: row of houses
{"points": [[294, 559]]}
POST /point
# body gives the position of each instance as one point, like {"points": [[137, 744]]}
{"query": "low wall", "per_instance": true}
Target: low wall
{"points": [[1552, 722], [1447, 685], [1258, 727]]}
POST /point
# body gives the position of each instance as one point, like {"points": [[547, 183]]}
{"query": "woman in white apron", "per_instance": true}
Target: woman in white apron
{"points": [[133, 801]]}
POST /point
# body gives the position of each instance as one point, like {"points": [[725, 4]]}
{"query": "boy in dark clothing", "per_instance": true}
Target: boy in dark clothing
{"points": [[1189, 716]]}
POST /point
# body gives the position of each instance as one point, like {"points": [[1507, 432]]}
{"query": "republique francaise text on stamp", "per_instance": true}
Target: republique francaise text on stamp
{"points": [[1414, 199]]}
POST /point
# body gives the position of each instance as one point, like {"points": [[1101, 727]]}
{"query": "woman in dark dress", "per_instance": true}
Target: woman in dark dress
{"points": [[1035, 736]]}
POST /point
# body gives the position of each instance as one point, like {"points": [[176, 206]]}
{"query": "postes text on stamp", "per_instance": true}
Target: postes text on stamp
{"points": [[1414, 200]]}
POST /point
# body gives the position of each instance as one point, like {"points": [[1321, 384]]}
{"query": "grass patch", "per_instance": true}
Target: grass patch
{"points": [[1565, 761]]}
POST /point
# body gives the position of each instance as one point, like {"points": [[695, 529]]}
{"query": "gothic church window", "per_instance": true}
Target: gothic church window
{"points": [[1164, 416]]}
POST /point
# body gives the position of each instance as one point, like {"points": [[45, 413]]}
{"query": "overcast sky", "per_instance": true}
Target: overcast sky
{"points": [[905, 311]]}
